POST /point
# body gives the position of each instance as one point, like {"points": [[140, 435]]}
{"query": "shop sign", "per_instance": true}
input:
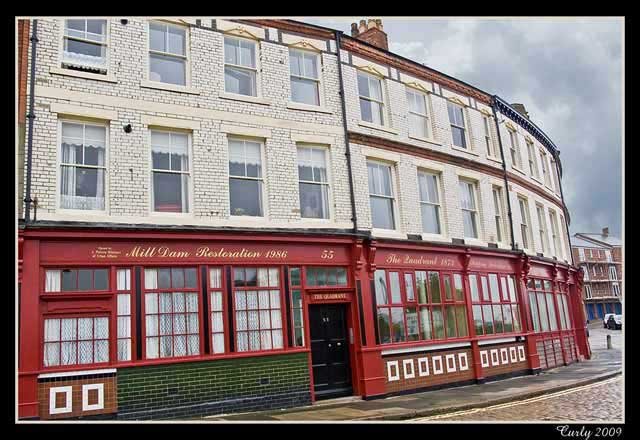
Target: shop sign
{"points": [[330, 296], [420, 260]]}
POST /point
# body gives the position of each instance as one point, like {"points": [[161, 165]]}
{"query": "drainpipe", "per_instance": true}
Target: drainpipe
{"points": [[31, 116], [504, 169], [556, 155], [354, 216]]}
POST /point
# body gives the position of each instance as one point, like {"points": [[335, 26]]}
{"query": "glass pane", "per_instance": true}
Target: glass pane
{"points": [[246, 197], [493, 283], [507, 318], [438, 324], [231, 50], [84, 279], [408, 286], [394, 283], [170, 192], [412, 324], [457, 282], [85, 328], [310, 65], [397, 323], [176, 39], [305, 91], [363, 85], [451, 321], [533, 306], [164, 278], [485, 288], [366, 111], [382, 295], [295, 276], [295, 62], [87, 52], [516, 318], [418, 126], [458, 137], [447, 288], [190, 278], [553, 323], [473, 284], [247, 53], [542, 308], [382, 213], [461, 320], [488, 319], [469, 221], [425, 324], [421, 283], [477, 319], [512, 289], [384, 320], [157, 40], [434, 287], [167, 69], [314, 200], [240, 81], [497, 319], [430, 218], [342, 276], [68, 329]]}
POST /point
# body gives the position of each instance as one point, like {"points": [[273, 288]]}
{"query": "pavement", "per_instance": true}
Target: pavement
{"points": [[605, 364]]}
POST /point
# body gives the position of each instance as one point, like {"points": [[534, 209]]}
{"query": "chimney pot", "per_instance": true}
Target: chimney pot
{"points": [[371, 23], [379, 23], [363, 26], [354, 29], [605, 232]]}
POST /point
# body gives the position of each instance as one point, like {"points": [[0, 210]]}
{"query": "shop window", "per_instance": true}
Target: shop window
{"points": [[258, 312], [543, 306], [495, 306], [76, 341], [123, 285], [171, 313], [297, 309], [76, 280], [326, 276], [217, 310]]}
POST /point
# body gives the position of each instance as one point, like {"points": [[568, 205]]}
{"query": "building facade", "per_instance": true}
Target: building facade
{"points": [[228, 215], [600, 257]]}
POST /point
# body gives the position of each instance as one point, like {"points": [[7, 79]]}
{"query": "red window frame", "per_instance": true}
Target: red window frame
{"points": [[77, 269], [131, 315], [225, 321], [556, 291], [486, 301], [302, 305]]}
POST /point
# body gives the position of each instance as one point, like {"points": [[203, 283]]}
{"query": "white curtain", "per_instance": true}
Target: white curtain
{"points": [[53, 281], [124, 279], [150, 279], [68, 176]]}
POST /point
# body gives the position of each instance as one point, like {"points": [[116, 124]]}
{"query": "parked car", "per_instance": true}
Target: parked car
{"points": [[605, 320], [614, 322]]}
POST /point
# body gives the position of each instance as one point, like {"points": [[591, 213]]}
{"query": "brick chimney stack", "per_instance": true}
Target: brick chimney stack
{"points": [[605, 232], [370, 31]]}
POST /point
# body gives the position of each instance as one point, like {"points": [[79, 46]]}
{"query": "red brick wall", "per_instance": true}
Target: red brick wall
{"points": [[110, 401], [516, 358], [23, 48], [376, 37]]}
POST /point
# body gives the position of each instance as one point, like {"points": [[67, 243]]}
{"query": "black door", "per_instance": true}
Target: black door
{"points": [[329, 351]]}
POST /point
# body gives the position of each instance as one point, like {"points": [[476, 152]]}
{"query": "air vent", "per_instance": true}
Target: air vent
{"points": [[493, 245], [414, 236], [539, 254], [457, 240]]}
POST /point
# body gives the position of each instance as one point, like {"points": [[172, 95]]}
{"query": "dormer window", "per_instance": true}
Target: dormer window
{"points": [[85, 45]]}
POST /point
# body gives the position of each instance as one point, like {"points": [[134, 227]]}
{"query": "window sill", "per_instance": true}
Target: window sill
{"points": [[245, 98], [464, 150], [518, 170], [427, 140], [170, 87], [535, 179], [388, 233], [83, 212], [79, 74], [434, 237], [170, 215], [474, 242], [377, 127], [494, 159], [308, 107]]}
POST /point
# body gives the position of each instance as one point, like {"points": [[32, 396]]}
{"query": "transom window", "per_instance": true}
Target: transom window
{"points": [[420, 305], [524, 222], [82, 166], [495, 304], [429, 187], [497, 213], [75, 341], [514, 148], [456, 119], [172, 327], [240, 70], [381, 196], [167, 53], [469, 208], [76, 280], [418, 115], [245, 177], [170, 171], [542, 228], [533, 163], [258, 316], [326, 276], [85, 44], [305, 79], [313, 182], [371, 100]]}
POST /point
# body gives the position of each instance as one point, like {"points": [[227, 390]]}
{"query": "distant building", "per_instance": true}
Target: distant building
{"points": [[600, 256]]}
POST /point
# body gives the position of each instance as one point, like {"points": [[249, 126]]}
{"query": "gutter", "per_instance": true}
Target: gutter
{"points": [[354, 216], [504, 169], [31, 116]]}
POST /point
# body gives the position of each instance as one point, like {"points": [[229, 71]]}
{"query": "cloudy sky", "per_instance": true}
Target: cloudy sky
{"points": [[568, 74]]}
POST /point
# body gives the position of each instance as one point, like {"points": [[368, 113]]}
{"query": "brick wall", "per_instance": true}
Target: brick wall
{"points": [[502, 359], [213, 387], [87, 396]]}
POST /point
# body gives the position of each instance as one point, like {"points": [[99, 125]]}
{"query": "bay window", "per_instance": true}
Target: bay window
{"points": [[469, 208], [167, 53], [381, 195], [85, 44], [82, 166], [371, 99], [313, 182], [170, 171], [76, 340], [418, 115], [457, 122], [305, 77], [495, 306], [245, 177], [172, 327], [240, 71], [429, 187], [258, 317]]}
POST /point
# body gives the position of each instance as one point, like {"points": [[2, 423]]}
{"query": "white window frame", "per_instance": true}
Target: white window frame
{"points": [[615, 287], [542, 228], [383, 111], [476, 202], [581, 254], [514, 148], [426, 116], [587, 291], [327, 161], [191, 209], [533, 160], [613, 274], [394, 207], [256, 69], [489, 141], [555, 234], [318, 80], [263, 179], [554, 175], [186, 57], [439, 205], [105, 43], [107, 126], [498, 210], [525, 220], [545, 169], [466, 129]]}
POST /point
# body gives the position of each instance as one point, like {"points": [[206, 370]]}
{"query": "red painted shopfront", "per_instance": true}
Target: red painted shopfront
{"points": [[368, 318]]}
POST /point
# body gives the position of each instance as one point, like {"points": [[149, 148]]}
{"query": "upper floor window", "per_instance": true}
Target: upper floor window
{"points": [[170, 171], [456, 119], [82, 166], [542, 228], [313, 183], [554, 233], [545, 172], [430, 208], [587, 291], [524, 222], [488, 138], [381, 195], [554, 175], [240, 71], [76, 280], [245, 177], [616, 289], [418, 115], [612, 273], [469, 208], [76, 341], [85, 44], [167, 53], [497, 212], [371, 101], [533, 163], [514, 148], [305, 77]]}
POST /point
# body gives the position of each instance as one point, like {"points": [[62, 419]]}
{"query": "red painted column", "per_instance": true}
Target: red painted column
{"points": [[475, 348], [29, 330], [527, 327], [576, 310]]}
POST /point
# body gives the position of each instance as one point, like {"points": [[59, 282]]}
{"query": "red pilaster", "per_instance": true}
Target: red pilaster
{"points": [[577, 312], [527, 327], [475, 348]]}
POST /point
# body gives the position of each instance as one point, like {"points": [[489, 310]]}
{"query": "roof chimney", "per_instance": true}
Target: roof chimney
{"points": [[605, 232], [370, 31], [520, 109]]}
